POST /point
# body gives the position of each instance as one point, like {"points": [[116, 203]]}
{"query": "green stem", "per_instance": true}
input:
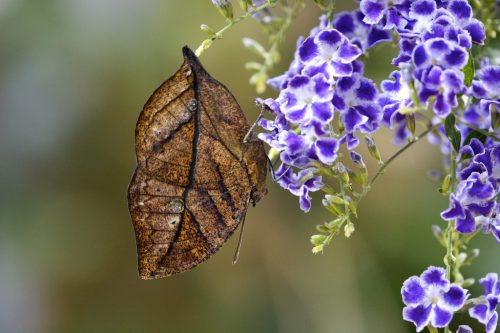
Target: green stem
{"points": [[206, 43], [402, 150], [477, 129]]}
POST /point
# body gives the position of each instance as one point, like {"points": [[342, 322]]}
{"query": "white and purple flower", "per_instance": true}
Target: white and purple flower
{"points": [[330, 53], [486, 311], [356, 99], [431, 299]]}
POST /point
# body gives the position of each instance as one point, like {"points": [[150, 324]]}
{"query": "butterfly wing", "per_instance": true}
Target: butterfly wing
{"points": [[192, 185]]}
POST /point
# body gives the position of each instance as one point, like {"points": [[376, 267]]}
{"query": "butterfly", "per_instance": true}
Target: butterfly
{"points": [[196, 172]]}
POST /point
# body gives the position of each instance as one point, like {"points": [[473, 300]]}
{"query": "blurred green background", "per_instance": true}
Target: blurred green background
{"points": [[74, 77]]}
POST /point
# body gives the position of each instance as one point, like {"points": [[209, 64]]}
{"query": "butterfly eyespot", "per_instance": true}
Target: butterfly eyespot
{"points": [[192, 104]]}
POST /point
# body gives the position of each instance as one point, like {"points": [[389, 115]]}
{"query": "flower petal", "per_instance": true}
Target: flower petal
{"points": [[412, 291], [419, 315], [440, 317]]}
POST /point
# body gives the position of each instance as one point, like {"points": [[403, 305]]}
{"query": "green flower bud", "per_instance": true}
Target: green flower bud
{"points": [[318, 239], [325, 5], [373, 149], [495, 116], [445, 186], [207, 30], [224, 7]]}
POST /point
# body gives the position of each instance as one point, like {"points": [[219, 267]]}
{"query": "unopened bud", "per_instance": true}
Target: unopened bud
{"points": [[437, 231], [495, 116], [349, 229], [325, 5], [318, 239], [461, 258], [410, 122], [468, 283], [255, 47], [207, 30], [445, 186], [372, 148], [344, 174], [474, 253], [245, 4], [224, 7]]}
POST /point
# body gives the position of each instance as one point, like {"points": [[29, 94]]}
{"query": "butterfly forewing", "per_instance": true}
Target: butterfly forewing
{"points": [[195, 175]]}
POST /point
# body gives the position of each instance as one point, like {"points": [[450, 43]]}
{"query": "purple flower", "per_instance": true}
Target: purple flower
{"points": [[485, 312], [299, 184], [330, 53], [395, 101], [474, 198], [440, 51], [376, 10], [359, 33], [445, 85], [431, 299], [488, 83], [307, 100], [355, 97]]}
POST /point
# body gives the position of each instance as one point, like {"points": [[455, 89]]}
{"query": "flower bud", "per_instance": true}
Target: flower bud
{"points": [[410, 122], [224, 7], [445, 186], [207, 30], [325, 5], [349, 229], [318, 239], [468, 283], [245, 4], [372, 149], [495, 116]]}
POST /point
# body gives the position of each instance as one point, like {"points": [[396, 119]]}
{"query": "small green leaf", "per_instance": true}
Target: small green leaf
{"points": [[452, 132], [469, 71], [474, 134]]}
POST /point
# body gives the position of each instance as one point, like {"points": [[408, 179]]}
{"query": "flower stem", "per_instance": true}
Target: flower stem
{"points": [[402, 150], [208, 42]]}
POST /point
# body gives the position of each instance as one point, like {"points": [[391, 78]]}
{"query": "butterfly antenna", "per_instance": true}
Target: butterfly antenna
{"points": [[250, 131], [240, 240]]}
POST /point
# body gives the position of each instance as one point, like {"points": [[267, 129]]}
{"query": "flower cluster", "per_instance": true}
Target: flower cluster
{"points": [[324, 101], [435, 39], [474, 203]]}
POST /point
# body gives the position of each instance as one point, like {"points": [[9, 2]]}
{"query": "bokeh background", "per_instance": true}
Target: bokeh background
{"points": [[74, 76]]}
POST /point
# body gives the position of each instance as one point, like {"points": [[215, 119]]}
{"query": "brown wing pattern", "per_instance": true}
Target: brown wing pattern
{"points": [[195, 176]]}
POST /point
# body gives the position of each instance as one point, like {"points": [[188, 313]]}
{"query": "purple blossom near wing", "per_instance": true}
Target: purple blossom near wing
{"points": [[485, 311], [330, 53], [356, 99], [311, 92], [430, 299]]}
